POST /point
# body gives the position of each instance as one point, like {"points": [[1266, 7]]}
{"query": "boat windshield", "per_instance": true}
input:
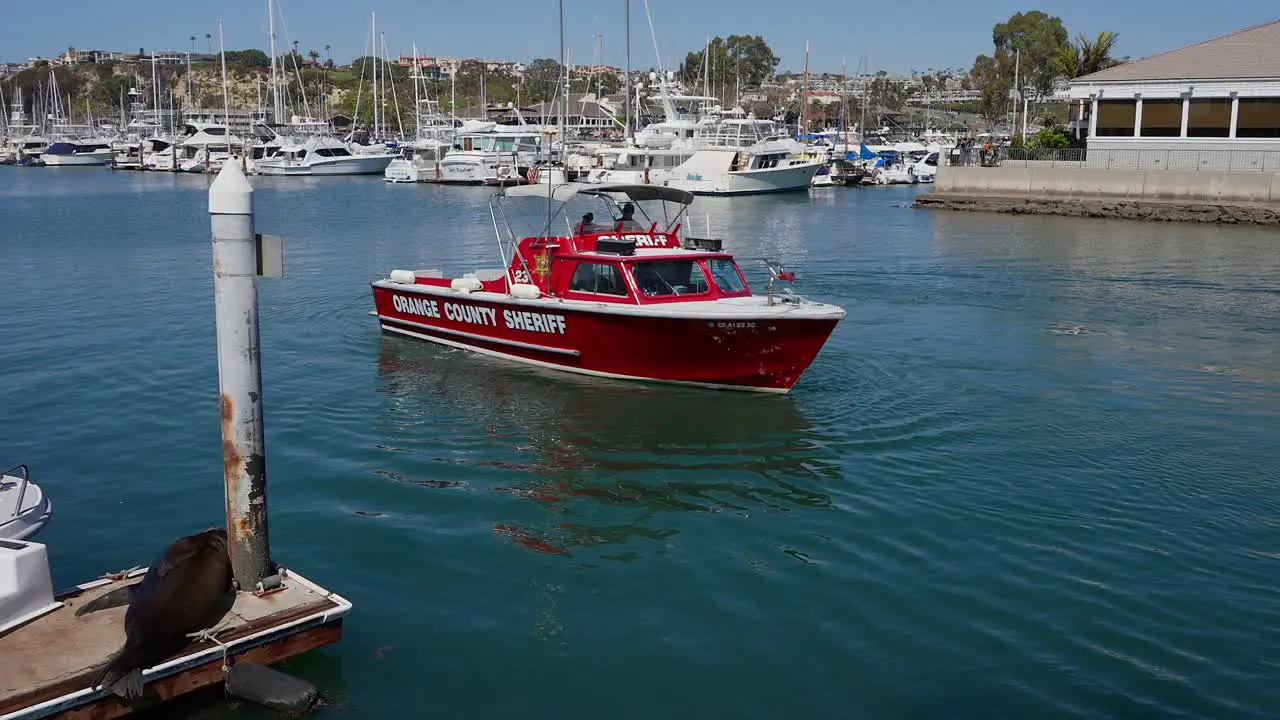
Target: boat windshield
{"points": [[669, 277], [725, 273]]}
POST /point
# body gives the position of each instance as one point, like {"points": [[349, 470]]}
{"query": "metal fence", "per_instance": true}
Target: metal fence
{"points": [[1128, 159]]}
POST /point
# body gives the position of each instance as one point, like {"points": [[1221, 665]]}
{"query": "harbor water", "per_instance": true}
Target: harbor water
{"points": [[1034, 473]]}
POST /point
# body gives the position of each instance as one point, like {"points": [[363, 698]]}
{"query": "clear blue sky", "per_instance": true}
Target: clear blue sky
{"points": [[898, 36]]}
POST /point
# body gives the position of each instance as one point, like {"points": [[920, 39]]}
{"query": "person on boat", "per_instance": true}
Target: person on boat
{"points": [[628, 221], [585, 226]]}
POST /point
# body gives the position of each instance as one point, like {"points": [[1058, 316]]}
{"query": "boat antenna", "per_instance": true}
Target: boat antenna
{"points": [[564, 102]]}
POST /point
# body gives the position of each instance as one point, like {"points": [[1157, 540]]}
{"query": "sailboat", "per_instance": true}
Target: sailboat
{"points": [[25, 143], [433, 135], [315, 152]]}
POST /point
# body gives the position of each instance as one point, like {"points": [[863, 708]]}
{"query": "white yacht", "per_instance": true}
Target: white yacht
{"points": [[489, 153], [24, 149], [661, 146], [322, 155], [419, 158], [204, 149], [80, 152], [739, 155], [76, 145]]}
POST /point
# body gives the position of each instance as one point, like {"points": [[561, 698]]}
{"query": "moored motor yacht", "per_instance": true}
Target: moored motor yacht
{"points": [[78, 153], [489, 153], [739, 155], [322, 155], [206, 147], [619, 299], [418, 161]]}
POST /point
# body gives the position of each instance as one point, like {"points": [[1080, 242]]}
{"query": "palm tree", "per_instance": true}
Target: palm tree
{"points": [[1087, 56], [208, 42], [1097, 55]]}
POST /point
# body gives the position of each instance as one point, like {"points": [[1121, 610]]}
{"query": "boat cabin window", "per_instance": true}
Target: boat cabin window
{"points": [[726, 275], [669, 277], [332, 152], [601, 278]]}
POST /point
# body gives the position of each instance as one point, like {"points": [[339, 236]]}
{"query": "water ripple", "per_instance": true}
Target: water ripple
{"points": [[1032, 473]]}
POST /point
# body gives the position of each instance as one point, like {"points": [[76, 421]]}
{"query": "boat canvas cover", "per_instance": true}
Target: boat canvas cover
{"points": [[566, 191]]}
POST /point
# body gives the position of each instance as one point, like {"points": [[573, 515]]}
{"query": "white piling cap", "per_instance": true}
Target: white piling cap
{"points": [[231, 193]]}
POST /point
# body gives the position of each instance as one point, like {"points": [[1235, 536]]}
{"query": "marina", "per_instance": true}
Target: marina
{"points": [[1036, 439], [666, 387]]}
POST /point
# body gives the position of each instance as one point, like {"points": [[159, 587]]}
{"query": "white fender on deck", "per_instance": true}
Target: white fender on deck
{"points": [[526, 291], [466, 284], [403, 277]]}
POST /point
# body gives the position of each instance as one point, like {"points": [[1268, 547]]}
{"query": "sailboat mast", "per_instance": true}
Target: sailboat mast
{"points": [[862, 118], [155, 88], [373, 19], [706, 67], [564, 99], [844, 101], [276, 105], [626, 131], [417, 98], [804, 96], [222, 53]]}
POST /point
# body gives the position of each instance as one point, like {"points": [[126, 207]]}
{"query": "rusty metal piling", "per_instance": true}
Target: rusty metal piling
{"points": [[235, 291]]}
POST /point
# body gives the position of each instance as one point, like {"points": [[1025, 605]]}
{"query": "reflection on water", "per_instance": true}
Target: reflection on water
{"points": [[590, 450]]}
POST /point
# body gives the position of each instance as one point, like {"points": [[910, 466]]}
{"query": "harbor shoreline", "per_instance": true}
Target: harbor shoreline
{"points": [[1154, 210]]}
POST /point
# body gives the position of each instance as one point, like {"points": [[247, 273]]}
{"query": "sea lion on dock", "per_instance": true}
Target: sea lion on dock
{"points": [[186, 590]]}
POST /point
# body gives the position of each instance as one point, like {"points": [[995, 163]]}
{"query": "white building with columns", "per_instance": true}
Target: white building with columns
{"points": [[1214, 105]]}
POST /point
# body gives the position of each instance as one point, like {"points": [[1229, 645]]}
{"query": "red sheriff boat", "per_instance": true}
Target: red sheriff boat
{"points": [[619, 299]]}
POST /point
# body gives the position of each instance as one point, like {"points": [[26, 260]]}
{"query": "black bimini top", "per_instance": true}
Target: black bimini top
{"points": [[636, 193]]}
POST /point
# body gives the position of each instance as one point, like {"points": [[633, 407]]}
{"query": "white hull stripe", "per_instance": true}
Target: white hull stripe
{"points": [[483, 338], [668, 311], [581, 371]]}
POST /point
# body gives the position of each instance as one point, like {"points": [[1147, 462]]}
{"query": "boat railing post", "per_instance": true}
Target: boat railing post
{"points": [[235, 270]]}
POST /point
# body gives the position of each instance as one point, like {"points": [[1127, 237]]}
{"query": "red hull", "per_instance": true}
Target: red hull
{"points": [[761, 354]]}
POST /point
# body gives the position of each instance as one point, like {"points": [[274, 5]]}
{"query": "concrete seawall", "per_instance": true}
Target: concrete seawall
{"points": [[1201, 196]]}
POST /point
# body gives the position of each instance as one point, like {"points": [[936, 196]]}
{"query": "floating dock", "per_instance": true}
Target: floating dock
{"points": [[47, 667]]}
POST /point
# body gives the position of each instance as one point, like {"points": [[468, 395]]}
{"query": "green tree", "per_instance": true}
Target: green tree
{"points": [[1086, 56], [1035, 39], [737, 62], [883, 92], [248, 59], [992, 76], [541, 77]]}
